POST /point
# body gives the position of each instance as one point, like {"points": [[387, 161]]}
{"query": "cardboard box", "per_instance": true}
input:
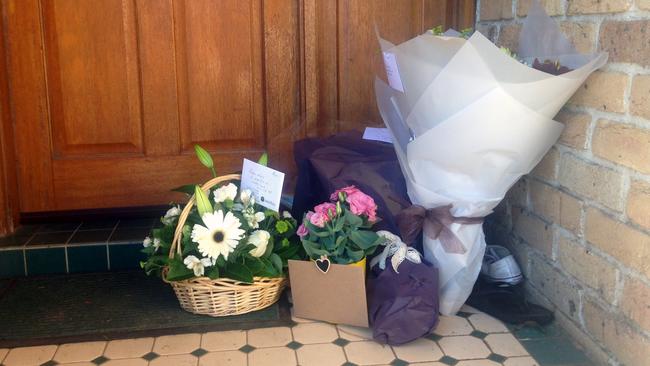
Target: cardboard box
{"points": [[338, 296]]}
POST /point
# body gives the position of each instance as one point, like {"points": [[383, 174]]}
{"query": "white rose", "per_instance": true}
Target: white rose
{"points": [[223, 193], [197, 265], [147, 242], [259, 238]]}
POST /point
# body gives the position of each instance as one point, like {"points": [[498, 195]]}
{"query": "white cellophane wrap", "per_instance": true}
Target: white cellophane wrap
{"points": [[471, 121]]}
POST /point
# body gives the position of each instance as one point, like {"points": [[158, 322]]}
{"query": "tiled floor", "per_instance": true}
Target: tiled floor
{"points": [[470, 339]]}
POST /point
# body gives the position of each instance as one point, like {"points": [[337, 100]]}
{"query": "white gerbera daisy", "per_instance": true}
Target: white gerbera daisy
{"points": [[229, 191], [220, 236], [197, 265]]}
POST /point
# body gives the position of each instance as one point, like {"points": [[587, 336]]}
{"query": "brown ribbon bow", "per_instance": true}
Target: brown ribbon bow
{"points": [[435, 222]]}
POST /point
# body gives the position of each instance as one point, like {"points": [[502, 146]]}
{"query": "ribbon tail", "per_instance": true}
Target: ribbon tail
{"points": [[450, 242]]}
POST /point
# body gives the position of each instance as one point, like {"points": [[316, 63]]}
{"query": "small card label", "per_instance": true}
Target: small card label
{"points": [[392, 72], [377, 134], [264, 182]]}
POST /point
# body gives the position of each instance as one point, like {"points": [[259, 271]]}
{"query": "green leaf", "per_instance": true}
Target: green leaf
{"points": [[277, 262], [364, 239], [352, 219], [238, 272], [264, 159], [188, 189], [202, 201], [212, 272], [178, 271]]}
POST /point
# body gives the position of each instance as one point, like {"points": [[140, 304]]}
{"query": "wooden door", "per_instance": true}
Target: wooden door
{"points": [[108, 97]]}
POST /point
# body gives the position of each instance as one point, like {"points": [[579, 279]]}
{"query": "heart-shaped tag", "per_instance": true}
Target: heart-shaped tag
{"points": [[323, 264]]}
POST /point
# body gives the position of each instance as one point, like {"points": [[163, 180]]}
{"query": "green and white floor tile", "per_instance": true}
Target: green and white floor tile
{"points": [[469, 339]]}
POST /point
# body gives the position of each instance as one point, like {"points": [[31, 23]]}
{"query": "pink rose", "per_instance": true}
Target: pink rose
{"points": [[347, 190], [318, 219], [362, 204], [302, 231], [326, 208]]}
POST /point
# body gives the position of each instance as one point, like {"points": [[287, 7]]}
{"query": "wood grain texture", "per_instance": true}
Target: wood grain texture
{"points": [[9, 205], [29, 106], [108, 97]]}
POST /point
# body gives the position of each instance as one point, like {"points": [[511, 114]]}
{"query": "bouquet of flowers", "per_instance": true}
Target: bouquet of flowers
{"points": [[467, 121], [225, 235], [340, 229]]}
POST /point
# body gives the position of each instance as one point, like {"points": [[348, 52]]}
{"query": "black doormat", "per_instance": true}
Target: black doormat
{"points": [[104, 306]]}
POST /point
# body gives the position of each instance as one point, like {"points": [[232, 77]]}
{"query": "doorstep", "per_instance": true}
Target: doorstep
{"points": [[74, 247]]}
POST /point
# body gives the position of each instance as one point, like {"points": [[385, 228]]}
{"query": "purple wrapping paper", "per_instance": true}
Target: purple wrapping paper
{"points": [[402, 306]]}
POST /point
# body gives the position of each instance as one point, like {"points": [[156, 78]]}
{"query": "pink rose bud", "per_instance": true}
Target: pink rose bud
{"points": [[302, 231]]}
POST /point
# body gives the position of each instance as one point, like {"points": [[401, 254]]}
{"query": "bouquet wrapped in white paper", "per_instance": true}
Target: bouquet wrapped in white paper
{"points": [[468, 120]]}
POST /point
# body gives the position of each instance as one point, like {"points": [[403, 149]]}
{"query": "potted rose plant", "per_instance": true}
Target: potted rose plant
{"points": [[339, 231], [337, 237], [225, 241]]}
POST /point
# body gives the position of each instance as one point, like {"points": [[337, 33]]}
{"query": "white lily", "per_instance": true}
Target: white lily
{"points": [[197, 265]]}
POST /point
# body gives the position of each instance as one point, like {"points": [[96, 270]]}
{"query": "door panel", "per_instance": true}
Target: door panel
{"points": [[109, 96], [92, 73], [220, 73]]}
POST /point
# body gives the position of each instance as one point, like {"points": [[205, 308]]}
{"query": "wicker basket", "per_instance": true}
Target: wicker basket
{"points": [[223, 296]]}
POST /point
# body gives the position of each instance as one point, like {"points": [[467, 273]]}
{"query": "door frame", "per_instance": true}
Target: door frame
{"points": [[9, 204]]}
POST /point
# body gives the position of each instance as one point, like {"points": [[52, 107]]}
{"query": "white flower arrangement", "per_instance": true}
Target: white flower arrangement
{"points": [[226, 234]]}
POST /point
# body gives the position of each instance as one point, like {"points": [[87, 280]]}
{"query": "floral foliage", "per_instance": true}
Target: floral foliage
{"points": [[340, 229], [226, 234]]}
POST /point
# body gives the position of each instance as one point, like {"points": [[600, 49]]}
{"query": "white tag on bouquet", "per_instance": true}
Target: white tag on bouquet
{"points": [[377, 134], [264, 182], [392, 72]]}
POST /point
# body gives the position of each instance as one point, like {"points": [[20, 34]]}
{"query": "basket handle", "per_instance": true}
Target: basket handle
{"points": [[176, 243]]}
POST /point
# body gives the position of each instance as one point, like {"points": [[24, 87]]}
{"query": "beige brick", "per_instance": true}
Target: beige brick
{"points": [[592, 181], [597, 6], [626, 41], [638, 203], [547, 168], [640, 96], [533, 230], [629, 347], [588, 268], [643, 4], [635, 302], [602, 90], [552, 7], [582, 35], [585, 342], [575, 130], [509, 36], [545, 200], [628, 245], [623, 144], [555, 286], [495, 10], [570, 213]]}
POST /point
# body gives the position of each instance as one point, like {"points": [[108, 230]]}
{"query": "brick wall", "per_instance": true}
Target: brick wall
{"points": [[580, 222]]}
